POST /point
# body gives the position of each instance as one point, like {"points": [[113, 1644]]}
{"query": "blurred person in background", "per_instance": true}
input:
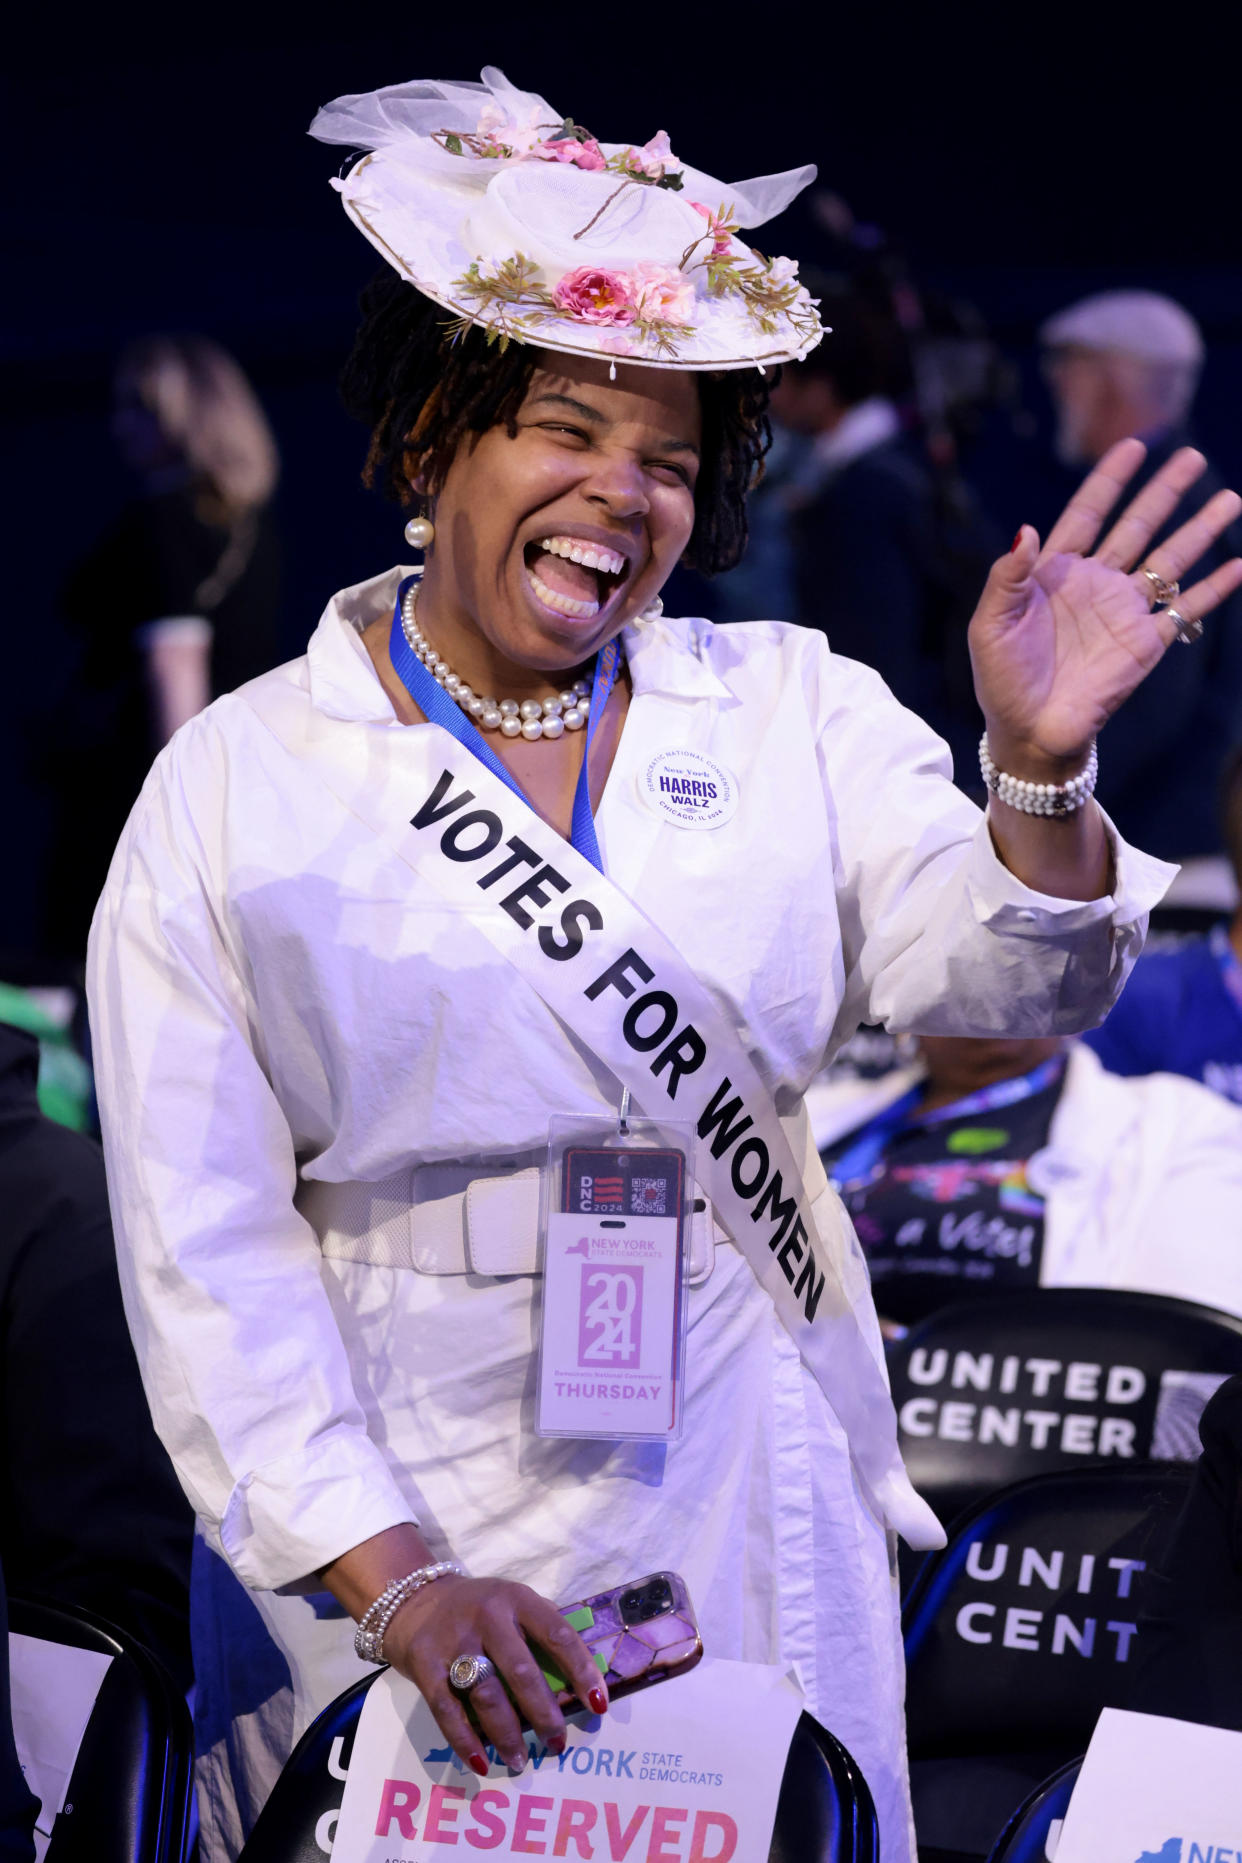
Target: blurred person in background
{"points": [[1128, 362], [877, 563], [1181, 1010], [176, 604], [996, 1165]]}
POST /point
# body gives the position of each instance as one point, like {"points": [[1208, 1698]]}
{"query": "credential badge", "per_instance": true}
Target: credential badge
{"points": [[689, 789]]}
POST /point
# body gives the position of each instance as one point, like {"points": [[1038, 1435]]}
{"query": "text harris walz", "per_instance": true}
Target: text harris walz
{"points": [[652, 1024]]}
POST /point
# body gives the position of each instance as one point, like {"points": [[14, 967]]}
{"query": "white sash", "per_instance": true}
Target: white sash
{"points": [[608, 973]]}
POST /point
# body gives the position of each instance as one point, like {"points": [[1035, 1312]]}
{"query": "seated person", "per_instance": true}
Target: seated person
{"points": [[90, 1511], [1004, 1164], [1181, 1010]]}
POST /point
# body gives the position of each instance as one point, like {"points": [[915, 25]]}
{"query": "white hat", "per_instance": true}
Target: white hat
{"points": [[1129, 323], [517, 220]]}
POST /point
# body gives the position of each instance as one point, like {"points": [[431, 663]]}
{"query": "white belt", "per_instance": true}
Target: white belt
{"points": [[456, 1218]]}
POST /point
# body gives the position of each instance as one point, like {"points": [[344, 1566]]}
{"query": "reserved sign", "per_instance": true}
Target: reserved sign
{"points": [[686, 1772], [1154, 1790]]}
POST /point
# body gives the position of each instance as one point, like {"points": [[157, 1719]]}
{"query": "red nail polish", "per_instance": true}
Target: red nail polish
{"points": [[598, 1700], [1017, 540], [477, 1763]]}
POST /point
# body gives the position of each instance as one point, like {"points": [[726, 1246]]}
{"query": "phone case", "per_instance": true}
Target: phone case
{"points": [[634, 1654]]}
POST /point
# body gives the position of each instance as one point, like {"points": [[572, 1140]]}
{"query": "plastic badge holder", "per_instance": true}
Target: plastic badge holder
{"points": [[614, 1225]]}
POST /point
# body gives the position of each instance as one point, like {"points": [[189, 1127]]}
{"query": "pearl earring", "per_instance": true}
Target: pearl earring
{"points": [[419, 533], [653, 610]]}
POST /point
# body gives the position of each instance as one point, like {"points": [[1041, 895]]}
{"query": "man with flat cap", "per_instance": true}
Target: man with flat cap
{"points": [[1128, 362]]}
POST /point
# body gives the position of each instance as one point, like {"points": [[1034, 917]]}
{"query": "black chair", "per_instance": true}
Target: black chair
{"points": [[1017, 1634], [995, 1389], [824, 1813], [129, 1793], [1027, 1836]]}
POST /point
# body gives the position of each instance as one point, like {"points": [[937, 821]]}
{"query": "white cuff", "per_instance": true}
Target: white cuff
{"points": [[287, 1520], [175, 631], [1002, 902]]}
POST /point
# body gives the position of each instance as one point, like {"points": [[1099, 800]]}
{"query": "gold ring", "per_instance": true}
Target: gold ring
{"points": [[1186, 628], [1161, 591]]}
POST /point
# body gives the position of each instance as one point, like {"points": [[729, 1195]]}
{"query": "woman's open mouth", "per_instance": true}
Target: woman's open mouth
{"points": [[574, 576]]}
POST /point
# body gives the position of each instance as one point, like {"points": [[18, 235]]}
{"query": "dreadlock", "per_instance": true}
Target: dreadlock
{"points": [[422, 392]]}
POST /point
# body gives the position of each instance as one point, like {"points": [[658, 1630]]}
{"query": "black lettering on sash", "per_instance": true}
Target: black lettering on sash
{"points": [[492, 826], [520, 853], [716, 1114], [618, 978], [434, 809], [751, 1147], [654, 999], [583, 909], [813, 1288], [533, 887], [686, 1052], [795, 1245], [784, 1209]]}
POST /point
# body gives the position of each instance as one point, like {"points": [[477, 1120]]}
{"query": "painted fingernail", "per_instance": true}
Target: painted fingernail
{"points": [[556, 1744], [598, 1700], [477, 1763], [1017, 540]]}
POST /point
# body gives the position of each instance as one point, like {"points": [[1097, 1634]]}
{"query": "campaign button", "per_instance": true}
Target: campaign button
{"points": [[689, 789]]}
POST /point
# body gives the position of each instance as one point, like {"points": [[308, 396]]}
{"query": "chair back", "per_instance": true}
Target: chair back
{"points": [[1018, 1633], [1032, 1833], [129, 1793], [824, 1813], [996, 1389]]}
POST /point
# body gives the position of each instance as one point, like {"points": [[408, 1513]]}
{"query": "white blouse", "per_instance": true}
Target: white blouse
{"points": [[271, 999]]}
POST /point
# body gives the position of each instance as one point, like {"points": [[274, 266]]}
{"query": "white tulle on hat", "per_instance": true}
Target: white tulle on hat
{"points": [[516, 219]]}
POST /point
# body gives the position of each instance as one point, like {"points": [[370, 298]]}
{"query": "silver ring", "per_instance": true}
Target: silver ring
{"points": [[466, 1672], [1161, 591], [1187, 630]]}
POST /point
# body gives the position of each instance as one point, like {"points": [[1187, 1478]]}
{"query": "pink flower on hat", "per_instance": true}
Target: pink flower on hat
{"points": [[663, 294], [586, 154], [717, 225], [655, 157], [594, 295]]}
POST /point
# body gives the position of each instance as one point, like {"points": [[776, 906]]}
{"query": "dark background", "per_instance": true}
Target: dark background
{"points": [[158, 175]]}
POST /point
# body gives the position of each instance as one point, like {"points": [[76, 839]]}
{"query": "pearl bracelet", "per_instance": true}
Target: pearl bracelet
{"points": [[369, 1636], [1056, 799]]}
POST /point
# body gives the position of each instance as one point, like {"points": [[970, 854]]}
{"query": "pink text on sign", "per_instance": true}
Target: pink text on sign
{"points": [[610, 1316]]}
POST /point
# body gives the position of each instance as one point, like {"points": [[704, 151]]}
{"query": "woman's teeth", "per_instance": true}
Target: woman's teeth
{"points": [[591, 555], [563, 604]]}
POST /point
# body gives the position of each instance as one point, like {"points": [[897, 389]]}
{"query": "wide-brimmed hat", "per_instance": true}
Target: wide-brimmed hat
{"points": [[516, 219]]}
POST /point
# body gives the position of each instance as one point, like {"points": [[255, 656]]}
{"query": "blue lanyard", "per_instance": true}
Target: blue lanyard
{"points": [[859, 1160], [441, 709]]}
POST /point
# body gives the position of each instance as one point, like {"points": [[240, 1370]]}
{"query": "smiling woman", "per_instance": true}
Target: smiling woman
{"points": [[507, 847]]}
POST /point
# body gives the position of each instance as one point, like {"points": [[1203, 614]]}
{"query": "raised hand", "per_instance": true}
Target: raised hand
{"points": [[1061, 637]]}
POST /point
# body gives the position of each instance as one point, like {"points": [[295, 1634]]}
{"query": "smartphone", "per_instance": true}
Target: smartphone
{"points": [[639, 1634]]}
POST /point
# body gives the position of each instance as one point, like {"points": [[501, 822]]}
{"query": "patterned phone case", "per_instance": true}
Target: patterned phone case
{"points": [[633, 1656]]}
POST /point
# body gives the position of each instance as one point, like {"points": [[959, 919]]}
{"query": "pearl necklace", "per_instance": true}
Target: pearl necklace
{"points": [[531, 719]]}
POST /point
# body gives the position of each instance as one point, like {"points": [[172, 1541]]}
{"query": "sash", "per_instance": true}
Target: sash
{"points": [[613, 978]]}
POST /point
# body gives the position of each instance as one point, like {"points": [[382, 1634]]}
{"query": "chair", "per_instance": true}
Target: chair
{"points": [[995, 1389], [1032, 1832], [131, 1784], [1017, 1634], [824, 1813]]}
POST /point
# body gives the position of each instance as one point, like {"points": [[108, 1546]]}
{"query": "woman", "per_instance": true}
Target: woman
{"points": [[177, 603], [1000, 1165], [306, 1007]]}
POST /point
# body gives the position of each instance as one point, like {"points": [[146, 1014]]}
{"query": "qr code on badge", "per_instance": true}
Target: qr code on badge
{"points": [[647, 1196]]}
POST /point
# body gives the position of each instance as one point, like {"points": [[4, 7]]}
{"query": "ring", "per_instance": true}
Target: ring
{"points": [[1162, 591], [1187, 630], [466, 1672]]}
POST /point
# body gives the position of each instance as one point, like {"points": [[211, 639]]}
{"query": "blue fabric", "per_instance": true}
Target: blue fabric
{"points": [[440, 709], [1176, 1016]]}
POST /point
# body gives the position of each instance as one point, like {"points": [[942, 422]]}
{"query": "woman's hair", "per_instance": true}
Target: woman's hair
{"points": [[208, 413], [421, 393]]}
